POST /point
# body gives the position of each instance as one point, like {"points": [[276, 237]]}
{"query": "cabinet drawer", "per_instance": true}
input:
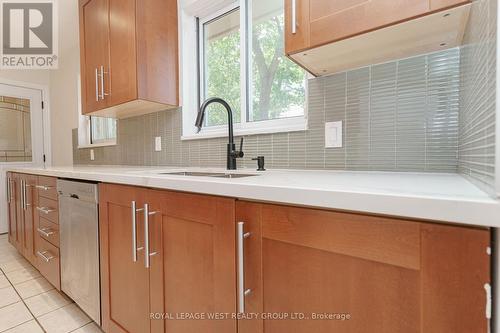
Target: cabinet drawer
{"points": [[48, 262], [47, 187], [48, 209], [48, 231]]}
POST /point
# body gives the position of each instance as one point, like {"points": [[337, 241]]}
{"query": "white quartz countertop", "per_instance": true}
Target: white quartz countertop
{"points": [[429, 196]]}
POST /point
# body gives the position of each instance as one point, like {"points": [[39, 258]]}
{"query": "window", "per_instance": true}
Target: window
{"points": [[221, 65], [278, 84], [241, 59], [102, 130], [94, 131]]}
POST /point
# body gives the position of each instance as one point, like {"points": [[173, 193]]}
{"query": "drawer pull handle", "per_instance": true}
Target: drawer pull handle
{"points": [[44, 256], [47, 232], [44, 188], [45, 210]]}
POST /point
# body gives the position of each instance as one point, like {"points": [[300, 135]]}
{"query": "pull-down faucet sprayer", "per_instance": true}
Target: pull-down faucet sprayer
{"points": [[232, 153]]}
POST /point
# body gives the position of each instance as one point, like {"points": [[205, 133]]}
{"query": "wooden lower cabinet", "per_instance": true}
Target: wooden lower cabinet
{"points": [[28, 218], [387, 275], [191, 269], [46, 233], [21, 204], [305, 270], [33, 222]]}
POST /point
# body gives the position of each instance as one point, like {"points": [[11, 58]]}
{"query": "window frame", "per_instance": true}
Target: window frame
{"points": [[196, 90], [85, 126], [85, 135], [101, 142]]}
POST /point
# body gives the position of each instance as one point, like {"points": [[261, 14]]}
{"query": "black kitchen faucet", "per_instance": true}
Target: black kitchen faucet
{"points": [[232, 153]]}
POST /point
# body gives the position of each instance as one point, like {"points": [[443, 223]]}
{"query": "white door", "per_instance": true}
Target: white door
{"points": [[21, 135]]}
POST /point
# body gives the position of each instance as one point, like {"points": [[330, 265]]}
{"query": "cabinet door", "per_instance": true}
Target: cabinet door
{"points": [[125, 282], [418, 277], [296, 25], [28, 218], [335, 20], [198, 260], [123, 61], [94, 52]]}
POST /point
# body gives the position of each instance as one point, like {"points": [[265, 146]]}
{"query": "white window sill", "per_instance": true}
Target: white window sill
{"points": [[294, 125], [97, 145]]}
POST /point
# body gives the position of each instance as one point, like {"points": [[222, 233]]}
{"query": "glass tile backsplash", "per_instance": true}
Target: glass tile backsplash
{"points": [[397, 116]]}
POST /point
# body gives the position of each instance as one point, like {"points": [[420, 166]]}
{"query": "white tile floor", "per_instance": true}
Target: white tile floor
{"points": [[30, 304]]}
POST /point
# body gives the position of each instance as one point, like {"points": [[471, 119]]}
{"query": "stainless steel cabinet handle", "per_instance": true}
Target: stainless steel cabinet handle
{"points": [[294, 17], [134, 230], [103, 94], [26, 203], [242, 292], [47, 232], [45, 210], [23, 197], [9, 192], [21, 193], [44, 188], [147, 251], [96, 85], [44, 256]]}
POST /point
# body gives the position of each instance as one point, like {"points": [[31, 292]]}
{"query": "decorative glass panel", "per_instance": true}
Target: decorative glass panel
{"points": [[15, 130]]}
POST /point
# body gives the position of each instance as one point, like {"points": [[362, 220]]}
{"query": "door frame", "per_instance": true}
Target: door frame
{"points": [[44, 91], [47, 146]]}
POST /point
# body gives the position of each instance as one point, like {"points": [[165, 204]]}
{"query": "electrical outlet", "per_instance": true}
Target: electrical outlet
{"points": [[333, 134], [158, 143], [92, 155]]}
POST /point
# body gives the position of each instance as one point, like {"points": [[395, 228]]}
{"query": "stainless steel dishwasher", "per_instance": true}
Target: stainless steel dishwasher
{"points": [[79, 244]]}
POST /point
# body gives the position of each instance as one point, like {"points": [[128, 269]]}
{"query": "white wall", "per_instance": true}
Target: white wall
{"points": [[62, 84]]}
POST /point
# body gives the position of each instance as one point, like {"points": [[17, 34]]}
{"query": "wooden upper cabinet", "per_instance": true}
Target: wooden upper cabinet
{"points": [[420, 278], [297, 25], [129, 56], [122, 48], [327, 36], [442, 4], [335, 20], [94, 51]]}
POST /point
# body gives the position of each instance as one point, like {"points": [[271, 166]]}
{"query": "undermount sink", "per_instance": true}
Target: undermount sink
{"points": [[208, 174]]}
